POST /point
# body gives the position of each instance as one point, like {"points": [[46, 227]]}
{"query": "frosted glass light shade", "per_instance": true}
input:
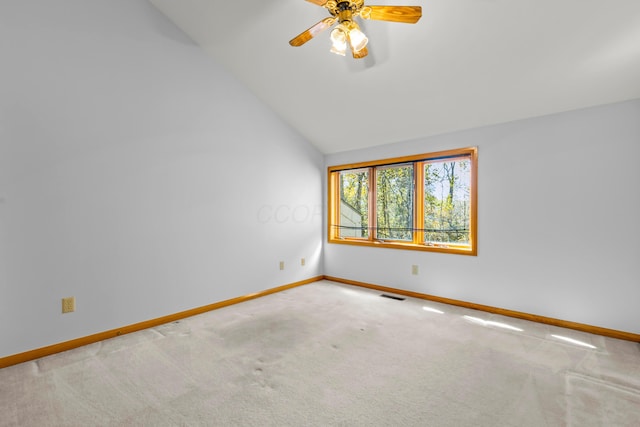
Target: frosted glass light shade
{"points": [[357, 39], [339, 41]]}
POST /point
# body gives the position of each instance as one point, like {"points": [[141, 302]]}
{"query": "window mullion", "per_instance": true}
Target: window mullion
{"points": [[373, 219], [418, 201]]}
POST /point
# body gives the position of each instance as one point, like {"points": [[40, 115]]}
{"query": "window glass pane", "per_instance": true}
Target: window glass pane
{"points": [[394, 202], [354, 205], [447, 201]]}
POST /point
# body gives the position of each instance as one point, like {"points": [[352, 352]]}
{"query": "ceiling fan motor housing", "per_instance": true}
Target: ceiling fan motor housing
{"points": [[344, 10]]}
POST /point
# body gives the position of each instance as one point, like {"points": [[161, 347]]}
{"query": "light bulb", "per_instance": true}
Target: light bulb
{"points": [[357, 39], [339, 41]]}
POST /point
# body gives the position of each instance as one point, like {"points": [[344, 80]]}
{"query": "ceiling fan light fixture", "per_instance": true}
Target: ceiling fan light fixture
{"points": [[339, 41], [357, 39]]}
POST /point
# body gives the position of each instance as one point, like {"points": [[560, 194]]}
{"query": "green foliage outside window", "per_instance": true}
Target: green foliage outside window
{"points": [[394, 202], [447, 193], [354, 194]]}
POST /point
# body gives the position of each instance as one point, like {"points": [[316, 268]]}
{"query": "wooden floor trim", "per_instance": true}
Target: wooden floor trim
{"points": [[79, 342], [628, 336]]}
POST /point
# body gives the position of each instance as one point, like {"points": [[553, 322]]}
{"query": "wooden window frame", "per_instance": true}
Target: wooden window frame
{"points": [[417, 243]]}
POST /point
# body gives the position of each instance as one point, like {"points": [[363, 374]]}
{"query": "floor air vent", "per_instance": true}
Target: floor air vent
{"points": [[392, 297]]}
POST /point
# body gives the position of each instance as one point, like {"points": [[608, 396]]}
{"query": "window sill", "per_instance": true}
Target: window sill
{"points": [[440, 248]]}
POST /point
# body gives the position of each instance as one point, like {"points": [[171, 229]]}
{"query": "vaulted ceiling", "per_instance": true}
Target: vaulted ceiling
{"points": [[465, 64]]}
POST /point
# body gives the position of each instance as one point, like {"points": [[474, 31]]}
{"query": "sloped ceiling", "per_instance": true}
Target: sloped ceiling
{"points": [[465, 64]]}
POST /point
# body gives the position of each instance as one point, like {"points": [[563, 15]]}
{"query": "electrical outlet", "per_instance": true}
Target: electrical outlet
{"points": [[302, 261], [281, 265], [414, 270], [68, 304]]}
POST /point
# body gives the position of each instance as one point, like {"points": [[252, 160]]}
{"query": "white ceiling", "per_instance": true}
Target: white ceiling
{"points": [[466, 63]]}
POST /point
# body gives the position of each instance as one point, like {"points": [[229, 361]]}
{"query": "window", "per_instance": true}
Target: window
{"points": [[424, 202]]}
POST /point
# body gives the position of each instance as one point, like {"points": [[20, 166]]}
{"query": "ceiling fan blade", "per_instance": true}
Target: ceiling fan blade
{"points": [[404, 14], [307, 35], [361, 53], [318, 2]]}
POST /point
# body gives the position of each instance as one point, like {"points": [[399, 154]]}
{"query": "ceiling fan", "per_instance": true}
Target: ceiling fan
{"points": [[348, 32]]}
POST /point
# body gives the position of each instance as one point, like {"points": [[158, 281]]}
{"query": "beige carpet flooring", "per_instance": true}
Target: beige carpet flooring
{"points": [[332, 355]]}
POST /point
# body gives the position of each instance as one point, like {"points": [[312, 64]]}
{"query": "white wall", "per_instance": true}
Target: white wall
{"points": [[584, 164], [136, 175]]}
